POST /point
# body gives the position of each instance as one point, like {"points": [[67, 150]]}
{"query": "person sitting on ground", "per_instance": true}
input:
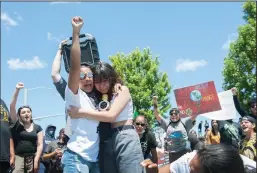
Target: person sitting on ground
{"points": [[213, 135], [214, 158], [248, 144], [240, 110]]}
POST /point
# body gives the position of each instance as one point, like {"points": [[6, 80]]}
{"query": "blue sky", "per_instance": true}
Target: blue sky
{"points": [[191, 40]]}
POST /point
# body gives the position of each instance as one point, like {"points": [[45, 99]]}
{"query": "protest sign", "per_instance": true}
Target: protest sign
{"points": [[197, 99]]}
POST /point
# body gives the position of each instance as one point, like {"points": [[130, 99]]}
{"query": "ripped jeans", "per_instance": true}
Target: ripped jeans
{"points": [[73, 163]]}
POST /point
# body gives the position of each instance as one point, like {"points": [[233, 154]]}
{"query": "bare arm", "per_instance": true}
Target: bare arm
{"points": [[49, 155], [39, 146], [13, 114], [56, 67], [118, 105], [156, 112], [154, 155], [208, 138], [12, 153], [73, 80]]}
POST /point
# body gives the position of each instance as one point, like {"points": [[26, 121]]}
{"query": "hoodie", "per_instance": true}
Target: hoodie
{"points": [[49, 136]]}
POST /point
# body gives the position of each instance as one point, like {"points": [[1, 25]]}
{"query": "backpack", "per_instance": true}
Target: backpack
{"points": [[231, 132]]}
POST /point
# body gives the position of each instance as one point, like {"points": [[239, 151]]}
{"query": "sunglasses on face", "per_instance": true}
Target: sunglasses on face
{"points": [[142, 124], [173, 114], [253, 106], [84, 75]]}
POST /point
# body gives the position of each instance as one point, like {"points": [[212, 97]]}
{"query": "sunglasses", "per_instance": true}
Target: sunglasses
{"points": [[142, 124], [84, 75]]}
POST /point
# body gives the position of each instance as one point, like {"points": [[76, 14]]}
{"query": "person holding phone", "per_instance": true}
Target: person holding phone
{"points": [[54, 152]]}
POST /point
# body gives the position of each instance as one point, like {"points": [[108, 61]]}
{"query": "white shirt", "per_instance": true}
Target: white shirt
{"points": [[126, 113], [182, 164], [84, 139]]}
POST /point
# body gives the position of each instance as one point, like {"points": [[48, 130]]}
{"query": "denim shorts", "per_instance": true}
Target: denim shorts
{"points": [[123, 153], [73, 163]]}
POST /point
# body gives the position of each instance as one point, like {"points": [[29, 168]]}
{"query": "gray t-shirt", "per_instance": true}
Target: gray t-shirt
{"points": [[55, 162], [176, 134]]}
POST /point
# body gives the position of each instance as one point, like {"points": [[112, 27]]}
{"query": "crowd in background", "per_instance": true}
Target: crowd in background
{"points": [[109, 140]]}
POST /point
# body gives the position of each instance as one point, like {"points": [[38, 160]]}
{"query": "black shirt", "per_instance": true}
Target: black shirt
{"points": [[148, 142], [5, 134], [24, 142], [239, 108]]}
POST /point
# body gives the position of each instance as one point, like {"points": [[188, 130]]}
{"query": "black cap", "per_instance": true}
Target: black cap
{"points": [[249, 118]]}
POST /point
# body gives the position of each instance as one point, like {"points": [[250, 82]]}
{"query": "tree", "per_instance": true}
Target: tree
{"points": [[140, 73], [240, 63]]}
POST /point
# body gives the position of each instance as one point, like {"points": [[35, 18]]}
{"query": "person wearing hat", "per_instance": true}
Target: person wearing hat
{"points": [[248, 144], [251, 104], [176, 141]]}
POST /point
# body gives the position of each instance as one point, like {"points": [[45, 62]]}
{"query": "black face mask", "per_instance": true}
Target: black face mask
{"points": [[51, 133]]}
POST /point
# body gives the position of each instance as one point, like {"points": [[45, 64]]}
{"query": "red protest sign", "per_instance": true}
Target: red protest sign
{"points": [[197, 99]]}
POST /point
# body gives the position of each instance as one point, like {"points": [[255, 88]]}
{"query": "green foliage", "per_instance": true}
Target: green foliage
{"points": [[240, 64], [140, 73]]}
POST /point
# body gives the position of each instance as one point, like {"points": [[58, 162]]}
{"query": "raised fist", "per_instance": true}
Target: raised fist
{"points": [[19, 85], [234, 91], [155, 100], [77, 23]]}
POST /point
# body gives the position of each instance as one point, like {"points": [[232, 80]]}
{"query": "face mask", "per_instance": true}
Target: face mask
{"points": [[51, 133]]}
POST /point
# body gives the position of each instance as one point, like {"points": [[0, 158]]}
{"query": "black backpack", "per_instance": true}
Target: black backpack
{"points": [[89, 51]]}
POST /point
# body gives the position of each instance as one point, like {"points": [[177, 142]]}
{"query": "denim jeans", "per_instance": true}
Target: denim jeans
{"points": [[123, 153], [73, 163]]}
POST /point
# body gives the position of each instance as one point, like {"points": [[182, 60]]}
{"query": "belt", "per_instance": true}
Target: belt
{"points": [[121, 128]]}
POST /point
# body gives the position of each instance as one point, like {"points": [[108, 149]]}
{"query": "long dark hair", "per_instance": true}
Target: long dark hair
{"points": [[103, 71], [22, 107], [220, 158], [212, 129]]}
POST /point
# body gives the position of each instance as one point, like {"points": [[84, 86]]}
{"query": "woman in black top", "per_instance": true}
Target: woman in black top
{"points": [[147, 138], [27, 137]]}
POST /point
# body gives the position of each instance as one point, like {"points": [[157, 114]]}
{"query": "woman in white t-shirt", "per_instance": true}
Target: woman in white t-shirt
{"points": [[122, 149]]}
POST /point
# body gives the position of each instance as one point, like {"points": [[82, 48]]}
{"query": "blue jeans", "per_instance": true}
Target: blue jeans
{"points": [[73, 163]]}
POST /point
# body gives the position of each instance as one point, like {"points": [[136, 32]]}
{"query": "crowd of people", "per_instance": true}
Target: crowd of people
{"points": [[102, 136]]}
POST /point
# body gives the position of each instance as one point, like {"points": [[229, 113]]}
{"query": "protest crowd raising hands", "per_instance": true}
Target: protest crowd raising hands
{"points": [[102, 135]]}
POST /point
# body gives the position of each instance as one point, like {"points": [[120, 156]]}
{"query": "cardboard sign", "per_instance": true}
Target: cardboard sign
{"points": [[197, 99]]}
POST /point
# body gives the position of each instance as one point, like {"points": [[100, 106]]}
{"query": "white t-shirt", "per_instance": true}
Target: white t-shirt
{"points": [[84, 139], [182, 164]]}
